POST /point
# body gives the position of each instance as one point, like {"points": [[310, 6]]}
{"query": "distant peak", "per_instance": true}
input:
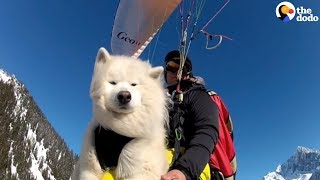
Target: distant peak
{"points": [[303, 165], [301, 149]]}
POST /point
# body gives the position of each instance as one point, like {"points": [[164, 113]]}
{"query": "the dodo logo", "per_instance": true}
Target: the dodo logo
{"points": [[285, 11]]}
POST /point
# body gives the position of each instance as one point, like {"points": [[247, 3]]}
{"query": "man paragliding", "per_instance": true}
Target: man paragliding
{"points": [[200, 130]]}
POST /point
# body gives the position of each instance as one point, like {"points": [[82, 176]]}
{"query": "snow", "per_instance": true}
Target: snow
{"points": [[10, 127], [18, 97], [31, 136], [297, 176], [4, 77], [273, 176], [306, 176], [306, 150], [19, 108], [23, 113], [13, 168], [36, 173], [59, 156], [278, 169], [38, 157]]}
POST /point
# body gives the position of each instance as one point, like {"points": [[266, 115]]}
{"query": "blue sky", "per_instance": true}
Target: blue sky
{"points": [[267, 76]]}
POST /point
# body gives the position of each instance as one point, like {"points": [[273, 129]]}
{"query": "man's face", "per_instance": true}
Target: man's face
{"points": [[172, 69]]}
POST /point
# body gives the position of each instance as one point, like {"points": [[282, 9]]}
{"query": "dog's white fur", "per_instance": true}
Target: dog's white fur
{"points": [[144, 118]]}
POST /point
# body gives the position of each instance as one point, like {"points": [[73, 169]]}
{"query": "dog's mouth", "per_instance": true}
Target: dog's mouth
{"points": [[123, 107], [120, 109]]}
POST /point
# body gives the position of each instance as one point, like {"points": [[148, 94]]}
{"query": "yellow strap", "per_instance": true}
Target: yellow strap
{"points": [[109, 175]]}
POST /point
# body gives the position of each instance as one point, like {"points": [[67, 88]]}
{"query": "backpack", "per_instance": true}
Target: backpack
{"points": [[223, 158]]}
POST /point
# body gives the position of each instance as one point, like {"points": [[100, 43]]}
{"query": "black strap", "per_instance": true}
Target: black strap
{"points": [[108, 146], [178, 120], [176, 124]]}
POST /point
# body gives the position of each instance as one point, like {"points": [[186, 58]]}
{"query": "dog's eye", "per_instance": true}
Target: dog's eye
{"points": [[133, 84], [113, 82]]}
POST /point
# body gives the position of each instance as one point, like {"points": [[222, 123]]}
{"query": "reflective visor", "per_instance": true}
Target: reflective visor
{"points": [[172, 67]]}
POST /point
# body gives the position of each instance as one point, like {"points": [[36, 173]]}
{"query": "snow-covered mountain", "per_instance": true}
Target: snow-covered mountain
{"points": [[303, 165], [30, 149]]}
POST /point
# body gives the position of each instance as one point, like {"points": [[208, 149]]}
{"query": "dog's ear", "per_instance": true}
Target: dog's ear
{"points": [[156, 72], [102, 56]]}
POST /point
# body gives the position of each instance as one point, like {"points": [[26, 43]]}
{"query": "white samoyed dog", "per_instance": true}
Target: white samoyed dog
{"points": [[127, 132]]}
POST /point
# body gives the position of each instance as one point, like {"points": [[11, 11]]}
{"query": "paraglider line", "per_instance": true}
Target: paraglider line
{"points": [[164, 15], [215, 15], [199, 9], [189, 14], [214, 35], [210, 37]]}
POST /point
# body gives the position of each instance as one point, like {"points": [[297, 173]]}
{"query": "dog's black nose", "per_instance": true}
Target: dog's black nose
{"points": [[124, 97]]}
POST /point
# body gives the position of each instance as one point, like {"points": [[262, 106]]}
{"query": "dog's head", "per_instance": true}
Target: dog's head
{"points": [[127, 94]]}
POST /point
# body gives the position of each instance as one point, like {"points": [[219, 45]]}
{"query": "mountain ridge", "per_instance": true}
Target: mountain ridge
{"points": [[304, 164], [31, 148]]}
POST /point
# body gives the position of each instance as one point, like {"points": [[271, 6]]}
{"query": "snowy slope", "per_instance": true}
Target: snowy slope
{"points": [[30, 147]]}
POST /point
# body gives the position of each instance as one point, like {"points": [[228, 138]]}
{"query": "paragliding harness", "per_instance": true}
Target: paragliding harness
{"points": [[223, 159], [176, 123]]}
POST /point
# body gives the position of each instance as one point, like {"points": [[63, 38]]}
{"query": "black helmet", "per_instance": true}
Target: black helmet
{"points": [[175, 57]]}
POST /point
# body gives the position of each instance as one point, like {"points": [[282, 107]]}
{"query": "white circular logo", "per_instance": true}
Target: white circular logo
{"points": [[285, 11]]}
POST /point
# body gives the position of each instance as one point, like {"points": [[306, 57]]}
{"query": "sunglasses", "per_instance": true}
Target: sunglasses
{"points": [[171, 69]]}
